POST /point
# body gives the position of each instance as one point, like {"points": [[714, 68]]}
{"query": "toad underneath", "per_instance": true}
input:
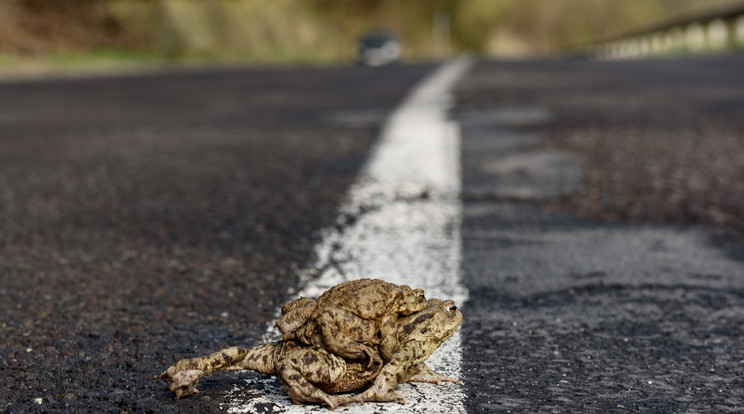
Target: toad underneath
{"points": [[310, 374]]}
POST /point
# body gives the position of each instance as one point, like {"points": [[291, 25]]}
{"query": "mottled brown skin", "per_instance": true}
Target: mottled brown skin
{"points": [[419, 335], [347, 318], [310, 374]]}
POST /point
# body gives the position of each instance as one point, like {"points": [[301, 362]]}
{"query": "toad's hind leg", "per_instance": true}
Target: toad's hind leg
{"points": [[345, 334], [300, 390]]}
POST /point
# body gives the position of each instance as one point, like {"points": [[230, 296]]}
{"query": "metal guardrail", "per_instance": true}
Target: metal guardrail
{"points": [[691, 31]]}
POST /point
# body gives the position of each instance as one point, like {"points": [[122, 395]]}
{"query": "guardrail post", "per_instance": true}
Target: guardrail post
{"points": [[676, 39], [736, 31], [695, 37], [717, 35]]}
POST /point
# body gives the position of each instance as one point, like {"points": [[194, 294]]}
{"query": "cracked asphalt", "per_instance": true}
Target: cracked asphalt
{"points": [[149, 218]]}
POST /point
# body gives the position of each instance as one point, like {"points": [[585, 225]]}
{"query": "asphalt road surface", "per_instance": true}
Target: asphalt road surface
{"points": [[149, 218], [582, 315]]}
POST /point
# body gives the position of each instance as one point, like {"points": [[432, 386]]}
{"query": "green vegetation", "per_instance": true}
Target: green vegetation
{"points": [[107, 32]]}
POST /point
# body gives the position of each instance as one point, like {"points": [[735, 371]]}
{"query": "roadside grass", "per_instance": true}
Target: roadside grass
{"points": [[111, 59], [80, 61]]}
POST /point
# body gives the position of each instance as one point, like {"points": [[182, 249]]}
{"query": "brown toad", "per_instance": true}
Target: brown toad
{"points": [[347, 318], [310, 374]]}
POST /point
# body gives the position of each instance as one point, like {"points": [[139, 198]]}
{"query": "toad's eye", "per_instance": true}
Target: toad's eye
{"points": [[452, 309], [419, 293]]}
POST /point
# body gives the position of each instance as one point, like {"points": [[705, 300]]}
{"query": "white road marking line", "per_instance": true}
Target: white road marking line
{"points": [[405, 215]]}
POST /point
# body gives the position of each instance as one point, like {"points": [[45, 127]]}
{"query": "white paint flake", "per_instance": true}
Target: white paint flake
{"points": [[400, 223]]}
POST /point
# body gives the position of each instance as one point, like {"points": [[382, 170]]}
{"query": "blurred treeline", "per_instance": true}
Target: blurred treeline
{"points": [[314, 30]]}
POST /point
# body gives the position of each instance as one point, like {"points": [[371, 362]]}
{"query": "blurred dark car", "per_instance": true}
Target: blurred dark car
{"points": [[378, 48]]}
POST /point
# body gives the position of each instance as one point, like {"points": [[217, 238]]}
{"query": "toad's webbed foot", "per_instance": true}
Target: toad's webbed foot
{"points": [[332, 401], [182, 383], [426, 374], [374, 394], [184, 375]]}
